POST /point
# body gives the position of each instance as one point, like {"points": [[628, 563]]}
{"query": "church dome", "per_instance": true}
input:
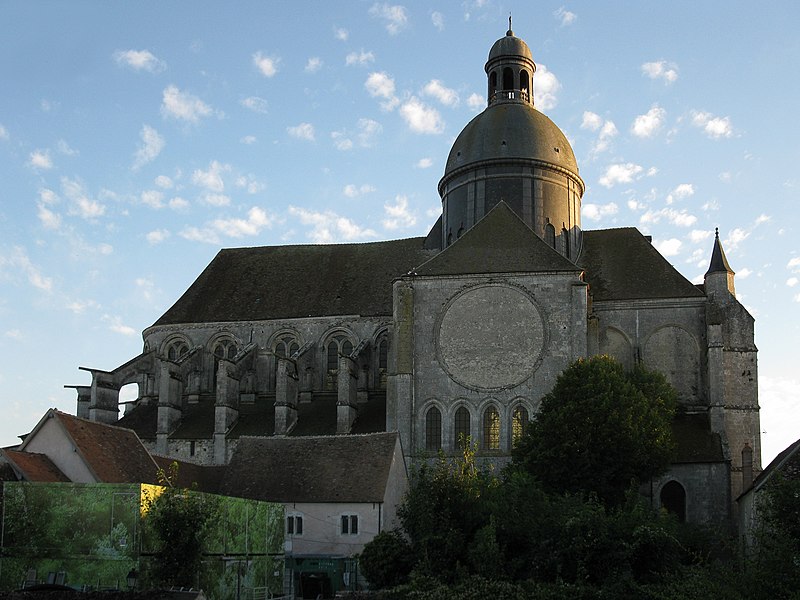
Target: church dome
{"points": [[513, 153], [511, 131]]}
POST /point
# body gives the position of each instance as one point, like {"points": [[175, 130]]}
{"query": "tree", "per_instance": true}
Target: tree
{"points": [[386, 561], [600, 430], [179, 520]]}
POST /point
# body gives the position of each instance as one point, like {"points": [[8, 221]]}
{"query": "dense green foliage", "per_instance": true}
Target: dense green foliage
{"points": [[179, 521], [599, 430], [386, 561]]}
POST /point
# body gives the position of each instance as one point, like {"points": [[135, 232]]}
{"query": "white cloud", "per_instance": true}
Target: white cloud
{"points": [[395, 16], [545, 88], [793, 264], [303, 131], [116, 325], [139, 60], [178, 203], [437, 19], [660, 69], [595, 212], [248, 140], [255, 104], [341, 34], [424, 163], [744, 273], [368, 130], [3, 133], [566, 17], [48, 218], [669, 247], [359, 58], [620, 173], [328, 227], [341, 141], [153, 198], [194, 234], [762, 219], [699, 235], [591, 121], [398, 216], [420, 117], [249, 183], [20, 260], [40, 159], [714, 127], [211, 180], [256, 220], [792, 281], [151, 146], [82, 205], [380, 85], [64, 148], [353, 191], [48, 196], [48, 105], [680, 218], [183, 106], [268, 65], [736, 237], [445, 95], [313, 64], [684, 190], [475, 101], [157, 236], [648, 124], [164, 182], [216, 199]]}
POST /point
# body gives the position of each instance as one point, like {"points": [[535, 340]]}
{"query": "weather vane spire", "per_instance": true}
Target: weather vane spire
{"points": [[510, 31]]}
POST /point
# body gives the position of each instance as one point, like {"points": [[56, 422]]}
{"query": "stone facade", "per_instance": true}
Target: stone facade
{"points": [[455, 335]]}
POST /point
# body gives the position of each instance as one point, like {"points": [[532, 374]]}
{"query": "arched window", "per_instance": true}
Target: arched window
{"points": [[338, 344], [333, 355], [492, 84], [673, 499], [524, 84], [383, 354], [461, 429], [491, 429], [177, 350], [225, 349], [565, 237], [508, 79], [433, 429], [519, 420], [550, 235]]}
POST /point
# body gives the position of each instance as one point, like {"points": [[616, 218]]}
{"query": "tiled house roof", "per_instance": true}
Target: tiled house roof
{"points": [[113, 454], [346, 468], [31, 466]]}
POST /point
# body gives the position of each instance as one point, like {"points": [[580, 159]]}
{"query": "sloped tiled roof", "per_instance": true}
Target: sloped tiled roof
{"points": [[35, 467], [114, 454], [206, 478], [621, 264], [278, 282], [346, 468], [787, 462], [499, 243]]}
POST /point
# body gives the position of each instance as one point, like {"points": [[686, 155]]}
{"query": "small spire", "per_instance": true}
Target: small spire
{"points": [[509, 32], [719, 263]]}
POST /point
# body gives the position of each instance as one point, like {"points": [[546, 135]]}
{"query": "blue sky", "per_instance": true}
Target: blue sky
{"points": [[137, 139]]}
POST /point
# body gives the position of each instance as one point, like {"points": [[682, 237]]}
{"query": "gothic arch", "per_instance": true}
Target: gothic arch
{"points": [[519, 415], [674, 352], [336, 342], [672, 498], [175, 346], [455, 425], [617, 345], [428, 436]]}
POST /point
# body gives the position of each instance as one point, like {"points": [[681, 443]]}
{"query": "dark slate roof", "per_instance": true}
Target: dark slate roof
{"points": [[205, 478], [787, 462], [621, 264], [35, 467], [197, 421], [719, 263], [279, 282], [346, 468], [317, 417], [255, 419], [371, 415], [114, 454], [499, 243], [143, 419], [694, 440]]}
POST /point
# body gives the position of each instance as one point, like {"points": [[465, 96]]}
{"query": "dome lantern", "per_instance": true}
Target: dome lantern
{"points": [[510, 69]]}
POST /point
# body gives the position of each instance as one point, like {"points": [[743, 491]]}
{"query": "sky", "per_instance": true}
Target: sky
{"points": [[138, 139]]}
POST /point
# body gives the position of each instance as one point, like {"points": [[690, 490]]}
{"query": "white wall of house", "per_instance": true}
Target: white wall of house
{"points": [[322, 527], [51, 439]]}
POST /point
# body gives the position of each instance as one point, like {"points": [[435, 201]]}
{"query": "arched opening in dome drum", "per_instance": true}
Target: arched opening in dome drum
{"points": [[524, 84], [492, 84], [508, 79]]}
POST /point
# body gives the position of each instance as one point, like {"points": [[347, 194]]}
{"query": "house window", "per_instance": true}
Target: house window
{"points": [[461, 429], [433, 429], [349, 524], [491, 429], [294, 525], [519, 420]]}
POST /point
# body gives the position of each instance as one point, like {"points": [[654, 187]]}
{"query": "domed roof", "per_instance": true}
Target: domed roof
{"points": [[510, 45], [511, 131]]}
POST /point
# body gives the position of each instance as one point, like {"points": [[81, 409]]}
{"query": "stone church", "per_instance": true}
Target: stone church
{"points": [[456, 334]]}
